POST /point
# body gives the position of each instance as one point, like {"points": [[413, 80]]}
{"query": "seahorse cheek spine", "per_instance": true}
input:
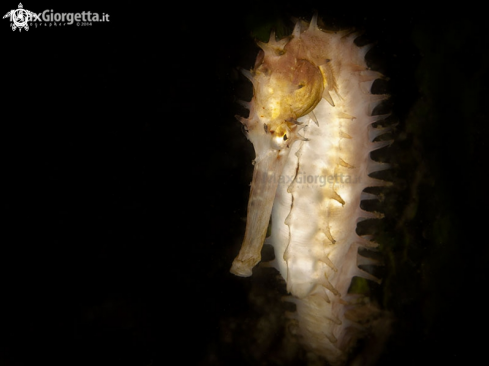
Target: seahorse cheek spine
{"points": [[310, 124]]}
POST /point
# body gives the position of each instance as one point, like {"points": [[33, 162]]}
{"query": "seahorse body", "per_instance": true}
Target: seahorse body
{"points": [[310, 124]]}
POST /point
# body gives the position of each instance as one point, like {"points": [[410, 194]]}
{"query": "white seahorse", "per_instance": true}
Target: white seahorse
{"points": [[310, 125]]}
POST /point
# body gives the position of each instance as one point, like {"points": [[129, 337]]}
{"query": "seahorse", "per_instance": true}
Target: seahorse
{"points": [[310, 122]]}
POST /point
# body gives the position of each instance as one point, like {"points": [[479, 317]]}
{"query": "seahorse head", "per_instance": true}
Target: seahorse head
{"points": [[286, 86]]}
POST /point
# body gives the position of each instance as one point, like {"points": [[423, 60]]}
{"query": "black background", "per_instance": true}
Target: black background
{"points": [[125, 183]]}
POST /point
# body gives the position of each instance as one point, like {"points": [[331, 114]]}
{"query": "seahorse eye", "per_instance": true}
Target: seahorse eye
{"points": [[278, 142], [279, 138]]}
